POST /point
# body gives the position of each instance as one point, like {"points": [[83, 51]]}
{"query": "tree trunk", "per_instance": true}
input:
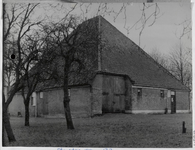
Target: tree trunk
{"points": [[6, 122], [26, 104], [3, 136], [3, 128], [68, 114], [67, 99], [7, 125]]}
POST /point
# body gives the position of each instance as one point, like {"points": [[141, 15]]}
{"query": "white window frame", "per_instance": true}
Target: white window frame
{"points": [[33, 99], [41, 95]]}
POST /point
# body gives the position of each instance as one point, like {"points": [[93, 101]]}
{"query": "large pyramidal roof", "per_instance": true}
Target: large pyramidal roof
{"points": [[121, 55]]}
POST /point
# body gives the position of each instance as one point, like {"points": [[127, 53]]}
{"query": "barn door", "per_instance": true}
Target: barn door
{"points": [[113, 103], [118, 103], [173, 102], [105, 103], [113, 98]]}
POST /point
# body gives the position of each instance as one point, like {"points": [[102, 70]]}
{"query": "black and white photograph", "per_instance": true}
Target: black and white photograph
{"points": [[84, 75]]}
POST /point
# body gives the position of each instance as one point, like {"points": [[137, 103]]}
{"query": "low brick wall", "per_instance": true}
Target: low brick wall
{"points": [[51, 104], [150, 99], [96, 99], [182, 100], [79, 103], [17, 106], [151, 102]]}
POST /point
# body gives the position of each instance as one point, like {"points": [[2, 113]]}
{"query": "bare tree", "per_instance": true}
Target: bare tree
{"points": [[37, 69], [66, 36], [74, 44], [17, 24], [160, 58], [150, 12], [186, 29], [147, 19], [181, 57], [8, 68], [178, 63], [181, 64]]}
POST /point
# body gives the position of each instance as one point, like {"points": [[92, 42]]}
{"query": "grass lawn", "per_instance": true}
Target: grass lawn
{"points": [[109, 130]]}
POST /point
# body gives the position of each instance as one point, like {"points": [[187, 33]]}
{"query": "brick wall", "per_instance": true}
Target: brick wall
{"points": [[150, 99], [17, 105], [96, 99], [42, 108], [51, 104], [80, 103], [182, 100], [128, 95]]}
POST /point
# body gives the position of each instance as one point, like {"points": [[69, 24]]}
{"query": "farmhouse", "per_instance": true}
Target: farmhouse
{"points": [[123, 78]]}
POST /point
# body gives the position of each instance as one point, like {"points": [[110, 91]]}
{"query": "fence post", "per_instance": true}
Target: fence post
{"points": [[183, 127]]}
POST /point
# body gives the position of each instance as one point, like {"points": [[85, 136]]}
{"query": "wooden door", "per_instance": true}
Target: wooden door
{"points": [[105, 103], [173, 104], [113, 94], [113, 103], [118, 103]]}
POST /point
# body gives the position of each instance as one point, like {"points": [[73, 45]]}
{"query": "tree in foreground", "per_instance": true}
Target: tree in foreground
{"points": [[37, 70], [17, 26], [75, 46], [73, 41], [66, 33]]}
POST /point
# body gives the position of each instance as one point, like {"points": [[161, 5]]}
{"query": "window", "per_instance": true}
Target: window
{"points": [[41, 95], [162, 93], [172, 93], [169, 93], [32, 101], [69, 92], [139, 92]]}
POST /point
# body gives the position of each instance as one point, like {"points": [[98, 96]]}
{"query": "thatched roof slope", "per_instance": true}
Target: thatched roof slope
{"points": [[119, 55]]}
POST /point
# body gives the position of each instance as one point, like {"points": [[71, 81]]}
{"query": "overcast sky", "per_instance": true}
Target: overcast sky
{"points": [[162, 35]]}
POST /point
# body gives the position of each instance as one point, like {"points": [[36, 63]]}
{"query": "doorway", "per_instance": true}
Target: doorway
{"points": [[173, 102]]}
